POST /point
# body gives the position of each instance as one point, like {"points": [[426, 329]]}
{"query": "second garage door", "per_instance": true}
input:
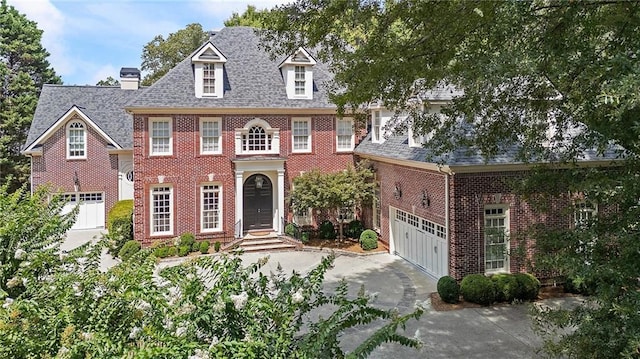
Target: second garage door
{"points": [[420, 242], [90, 211]]}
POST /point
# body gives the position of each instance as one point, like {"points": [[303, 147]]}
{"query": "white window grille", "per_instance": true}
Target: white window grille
{"points": [[161, 210], [210, 139], [496, 239], [211, 208], [344, 134], [301, 132], [76, 140], [160, 137], [300, 83], [208, 79]]}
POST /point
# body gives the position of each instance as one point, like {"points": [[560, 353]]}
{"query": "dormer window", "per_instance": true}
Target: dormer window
{"points": [[297, 72], [208, 68]]}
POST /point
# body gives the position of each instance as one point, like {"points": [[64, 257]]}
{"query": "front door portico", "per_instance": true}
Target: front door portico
{"points": [[258, 203]]}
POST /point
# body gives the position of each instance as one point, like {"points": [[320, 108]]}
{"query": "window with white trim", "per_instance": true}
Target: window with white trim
{"points": [[160, 137], [376, 124], [210, 135], [257, 137], [211, 207], [76, 140], [584, 213], [300, 83], [377, 208], [208, 79], [301, 134], [496, 239], [345, 136], [161, 210], [256, 140]]}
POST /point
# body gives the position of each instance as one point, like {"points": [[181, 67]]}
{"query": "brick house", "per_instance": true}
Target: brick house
{"points": [[212, 148]]}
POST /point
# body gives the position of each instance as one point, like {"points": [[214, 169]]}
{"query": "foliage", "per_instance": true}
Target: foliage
{"points": [[216, 246], [477, 288], [251, 17], [535, 90], [160, 55], [448, 289], [331, 191], [326, 230], [183, 250], [369, 239], [207, 307], [129, 249], [528, 286], [186, 239], [109, 81], [204, 247], [24, 68], [354, 229], [291, 229], [304, 237], [507, 287], [32, 228], [195, 247], [120, 225]]}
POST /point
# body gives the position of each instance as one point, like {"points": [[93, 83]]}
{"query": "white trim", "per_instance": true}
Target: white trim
{"points": [[83, 128], [293, 135], [168, 120], [376, 126], [273, 133], [352, 145], [201, 59], [294, 59], [151, 209], [73, 111], [218, 121], [497, 216], [218, 190]]}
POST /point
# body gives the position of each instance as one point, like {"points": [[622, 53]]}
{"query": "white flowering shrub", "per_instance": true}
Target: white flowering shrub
{"points": [[209, 307]]}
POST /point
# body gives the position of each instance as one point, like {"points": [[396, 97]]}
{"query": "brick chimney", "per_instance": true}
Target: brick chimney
{"points": [[129, 78]]}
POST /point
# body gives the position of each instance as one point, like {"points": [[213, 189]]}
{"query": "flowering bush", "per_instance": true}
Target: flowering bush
{"points": [[207, 307]]}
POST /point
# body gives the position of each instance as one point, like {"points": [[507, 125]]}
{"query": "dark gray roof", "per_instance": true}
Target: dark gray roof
{"points": [[104, 105], [397, 147], [252, 79]]}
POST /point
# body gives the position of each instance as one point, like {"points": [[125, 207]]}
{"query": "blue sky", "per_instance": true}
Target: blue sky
{"points": [[90, 40]]}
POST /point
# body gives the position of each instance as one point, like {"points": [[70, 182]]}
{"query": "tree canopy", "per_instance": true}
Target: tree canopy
{"points": [[252, 17], [552, 79], [23, 69], [109, 81]]}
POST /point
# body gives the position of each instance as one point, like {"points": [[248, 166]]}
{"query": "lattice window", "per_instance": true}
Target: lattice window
{"points": [[257, 139], [160, 136], [208, 79], [211, 208], [210, 138], [344, 135], [76, 140], [300, 82], [161, 210], [496, 240], [301, 129]]}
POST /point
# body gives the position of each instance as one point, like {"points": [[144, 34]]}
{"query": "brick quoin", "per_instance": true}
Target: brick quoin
{"points": [[186, 169]]}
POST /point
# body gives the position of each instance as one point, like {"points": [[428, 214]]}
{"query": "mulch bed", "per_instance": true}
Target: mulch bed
{"points": [[545, 293], [348, 245]]}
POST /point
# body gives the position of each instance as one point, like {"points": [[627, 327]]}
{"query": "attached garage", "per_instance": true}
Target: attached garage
{"points": [[91, 209], [420, 242]]}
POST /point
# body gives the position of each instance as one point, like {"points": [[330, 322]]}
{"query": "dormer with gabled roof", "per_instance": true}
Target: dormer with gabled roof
{"points": [[297, 72], [208, 65]]}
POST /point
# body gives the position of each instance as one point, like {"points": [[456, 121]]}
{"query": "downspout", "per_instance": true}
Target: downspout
{"points": [[446, 215]]}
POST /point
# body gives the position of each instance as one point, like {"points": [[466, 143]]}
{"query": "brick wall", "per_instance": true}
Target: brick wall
{"points": [[97, 173], [186, 169]]}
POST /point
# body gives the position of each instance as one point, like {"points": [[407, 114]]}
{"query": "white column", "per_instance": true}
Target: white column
{"points": [[239, 197], [281, 211]]}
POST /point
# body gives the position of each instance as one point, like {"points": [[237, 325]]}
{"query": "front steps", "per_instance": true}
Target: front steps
{"points": [[265, 244]]}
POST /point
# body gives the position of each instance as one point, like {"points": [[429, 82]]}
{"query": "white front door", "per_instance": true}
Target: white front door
{"points": [[125, 177]]}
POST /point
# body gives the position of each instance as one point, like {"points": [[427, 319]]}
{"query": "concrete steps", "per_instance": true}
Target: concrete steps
{"points": [[264, 244]]}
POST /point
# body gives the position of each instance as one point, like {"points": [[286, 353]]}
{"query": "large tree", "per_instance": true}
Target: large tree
{"points": [[554, 78], [23, 70], [252, 17]]}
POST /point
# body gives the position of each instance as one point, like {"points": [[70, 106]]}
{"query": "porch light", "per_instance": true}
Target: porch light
{"points": [[426, 201], [259, 182], [397, 191], [76, 181]]}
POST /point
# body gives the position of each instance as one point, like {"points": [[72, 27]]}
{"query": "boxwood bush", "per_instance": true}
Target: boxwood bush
{"points": [[120, 225], [216, 246], [326, 230], [448, 289], [204, 247], [291, 229], [129, 249], [528, 286], [506, 287], [369, 240], [477, 288], [187, 239]]}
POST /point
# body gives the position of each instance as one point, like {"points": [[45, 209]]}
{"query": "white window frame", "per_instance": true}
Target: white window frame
{"points": [[217, 191], [73, 127], [305, 138], [376, 126], [216, 140], [169, 151], [341, 125], [208, 79], [272, 135], [377, 207], [501, 213], [584, 212], [299, 80], [158, 190]]}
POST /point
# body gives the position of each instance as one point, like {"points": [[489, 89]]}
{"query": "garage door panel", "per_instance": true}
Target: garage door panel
{"points": [[91, 209]]}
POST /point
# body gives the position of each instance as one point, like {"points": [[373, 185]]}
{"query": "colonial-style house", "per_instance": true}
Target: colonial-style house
{"points": [[212, 148]]}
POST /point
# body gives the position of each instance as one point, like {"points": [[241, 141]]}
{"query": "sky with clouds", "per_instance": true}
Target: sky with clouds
{"points": [[90, 40]]}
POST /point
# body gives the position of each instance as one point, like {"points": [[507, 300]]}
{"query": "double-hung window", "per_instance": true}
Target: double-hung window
{"points": [[160, 139], [76, 140], [496, 239], [208, 79], [300, 83], [210, 137], [376, 126], [344, 135], [585, 212], [161, 210], [301, 132], [211, 208]]}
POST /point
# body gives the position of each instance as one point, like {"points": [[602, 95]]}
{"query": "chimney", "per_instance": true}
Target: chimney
{"points": [[129, 78]]}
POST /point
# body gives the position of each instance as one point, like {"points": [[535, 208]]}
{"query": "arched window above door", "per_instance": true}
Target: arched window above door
{"points": [[257, 137]]}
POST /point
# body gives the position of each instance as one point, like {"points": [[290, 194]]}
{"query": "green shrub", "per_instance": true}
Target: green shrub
{"points": [[129, 249], [477, 288], [187, 239], [354, 229], [528, 286], [161, 252], [120, 225], [172, 251], [326, 230], [184, 250], [195, 247], [506, 287], [304, 237], [204, 247], [291, 229], [216, 246], [369, 240], [448, 289]]}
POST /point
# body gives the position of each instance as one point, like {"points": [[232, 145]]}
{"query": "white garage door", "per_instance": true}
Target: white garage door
{"points": [[420, 242], [90, 211]]}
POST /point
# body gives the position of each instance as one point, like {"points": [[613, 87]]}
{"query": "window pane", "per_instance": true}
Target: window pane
{"points": [[211, 207], [210, 134], [161, 209], [496, 239], [208, 79], [300, 135], [160, 137], [299, 80], [76, 140]]}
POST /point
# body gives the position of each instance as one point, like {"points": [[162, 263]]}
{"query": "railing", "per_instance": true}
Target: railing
{"points": [[238, 229]]}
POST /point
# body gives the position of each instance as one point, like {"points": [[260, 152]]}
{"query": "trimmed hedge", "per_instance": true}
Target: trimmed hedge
{"points": [[204, 247], [448, 289], [216, 246], [129, 249], [187, 239], [120, 225], [326, 230], [507, 287], [369, 240], [477, 288], [528, 286]]}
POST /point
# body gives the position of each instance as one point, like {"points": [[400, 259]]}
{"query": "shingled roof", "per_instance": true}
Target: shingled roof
{"points": [[104, 105], [251, 79]]}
